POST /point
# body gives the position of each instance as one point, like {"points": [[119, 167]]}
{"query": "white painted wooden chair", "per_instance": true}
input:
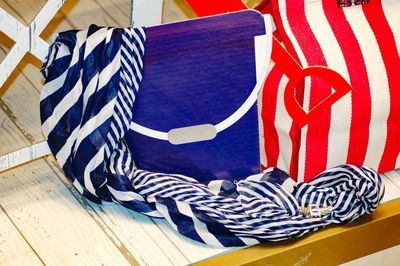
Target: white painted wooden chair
{"points": [[27, 40]]}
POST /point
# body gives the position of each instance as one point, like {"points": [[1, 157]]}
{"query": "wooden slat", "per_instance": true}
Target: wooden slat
{"points": [[53, 221], [25, 116], [25, 14], [140, 235], [103, 13], [193, 251], [176, 10], [46, 213], [14, 250]]}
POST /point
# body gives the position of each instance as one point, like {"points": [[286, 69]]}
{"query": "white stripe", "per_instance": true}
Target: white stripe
{"points": [[128, 163], [391, 9], [127, 92], [109, 35], [138, 39], [164, 212], [178, 189], [110, 137], [90, 89], [215, 186], [200, 227], [380, 96], [119, 164], [109, 71], [112, 163], [56, 84], [128, 67], [53, 86], [289, 33], [65, 152], [115, 131], [94, 40], [135, 49], [133, 62], [283, 123], [94, 122], [306, 104], [125, 195], [256, 177], [125, 77], [122, 113], [141, 177], [304, 132], [261, 137], [124, 110], [339, 132], [78, 186], [93, 163], [62, 107]]}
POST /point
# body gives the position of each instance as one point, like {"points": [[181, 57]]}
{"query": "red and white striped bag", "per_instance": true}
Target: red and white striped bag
{"points": [[361, 42]]}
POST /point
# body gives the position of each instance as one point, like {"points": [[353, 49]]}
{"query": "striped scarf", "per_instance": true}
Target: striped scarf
{"points": [[92, 80]]}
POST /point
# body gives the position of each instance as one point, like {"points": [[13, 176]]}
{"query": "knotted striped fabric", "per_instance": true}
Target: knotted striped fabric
{"points": [[92, 79]]}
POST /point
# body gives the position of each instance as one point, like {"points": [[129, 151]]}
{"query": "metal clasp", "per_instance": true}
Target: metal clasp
{"points": [[315, 211]]}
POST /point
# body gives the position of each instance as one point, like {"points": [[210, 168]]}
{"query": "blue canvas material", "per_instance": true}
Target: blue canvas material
{"points": [[93, 82], [200, 72]]}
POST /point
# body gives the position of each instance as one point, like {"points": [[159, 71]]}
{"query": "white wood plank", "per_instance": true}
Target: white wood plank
{"points": [[48, 215], [25, 116], [194, 251], [14, 250], [54, 223], [10, 138], [177, 10], [20, 10], [117, 12], [144, 238], [122, 6], [102, 13]]}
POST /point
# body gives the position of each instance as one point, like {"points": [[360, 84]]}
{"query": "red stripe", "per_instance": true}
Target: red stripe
{"points": [[268, 115], [294, 132], [387, 45], [318, 129], [361, 96]]}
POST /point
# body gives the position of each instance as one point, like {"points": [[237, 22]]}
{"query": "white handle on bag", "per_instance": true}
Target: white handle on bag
{"points": [[263, 50]]}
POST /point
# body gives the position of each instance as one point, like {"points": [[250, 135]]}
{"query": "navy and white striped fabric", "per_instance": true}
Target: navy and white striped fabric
{"points": [[92, 79]]}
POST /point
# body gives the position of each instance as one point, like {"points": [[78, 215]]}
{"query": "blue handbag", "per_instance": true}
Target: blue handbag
{"points": [[196, 111]]}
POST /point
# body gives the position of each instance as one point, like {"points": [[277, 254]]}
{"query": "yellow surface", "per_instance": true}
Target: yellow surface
{"points": [[331, 246]]}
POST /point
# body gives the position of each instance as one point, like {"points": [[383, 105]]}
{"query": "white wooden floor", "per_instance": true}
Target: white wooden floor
{"points": [[43, 220]]}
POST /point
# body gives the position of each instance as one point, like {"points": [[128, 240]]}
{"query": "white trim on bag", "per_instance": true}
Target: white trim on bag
{"points": [[263, 50]]}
